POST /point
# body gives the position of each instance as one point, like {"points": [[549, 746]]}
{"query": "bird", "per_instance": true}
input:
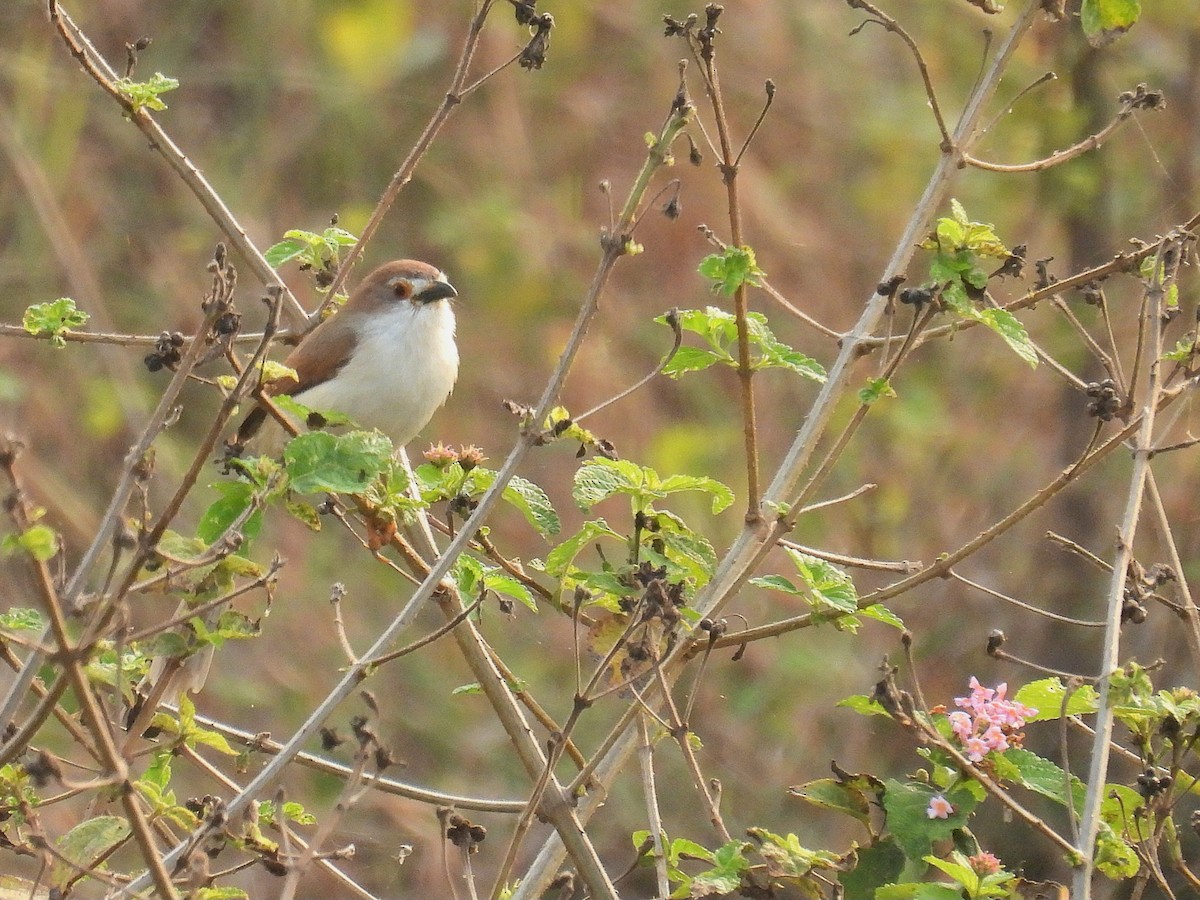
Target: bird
{"points": [[387, 359]]}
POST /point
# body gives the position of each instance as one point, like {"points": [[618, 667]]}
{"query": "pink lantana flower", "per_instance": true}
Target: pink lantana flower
{"points": [[984, 863], [987, 721], [939, 808]]}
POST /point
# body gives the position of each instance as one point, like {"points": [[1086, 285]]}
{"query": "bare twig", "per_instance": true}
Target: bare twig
{"points": [[1058, 157], [1089, 824]]}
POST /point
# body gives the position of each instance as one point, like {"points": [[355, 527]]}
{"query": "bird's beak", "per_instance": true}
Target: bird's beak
{"points": [[438, 290]]}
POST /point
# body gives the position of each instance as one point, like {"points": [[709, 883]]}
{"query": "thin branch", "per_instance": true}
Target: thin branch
{"points": [[772, 292], [131, 473], [653, 816], [889, 24], [1058, 157], [1044, 613], [71, 661], [855, 562], [704, 51], [1008, 107], [672, 317], [1089, 824]]}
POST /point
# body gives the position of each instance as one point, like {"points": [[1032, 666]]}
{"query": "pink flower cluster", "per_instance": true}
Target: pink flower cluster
{"points": [[986, 721], [939, 808], [984, 863]]}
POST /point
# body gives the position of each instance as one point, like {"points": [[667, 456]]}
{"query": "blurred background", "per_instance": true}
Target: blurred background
{"points": [[299, 111]]}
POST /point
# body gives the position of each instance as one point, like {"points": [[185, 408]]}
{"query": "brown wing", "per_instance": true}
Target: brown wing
{"points": [[318, 358]]}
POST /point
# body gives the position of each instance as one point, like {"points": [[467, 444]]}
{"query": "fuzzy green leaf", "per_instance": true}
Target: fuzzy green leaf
{"points": [[39, 541], [284, 251], [533, 504], [693, 359], [1046, 696], [876, 390], [235, 498], [828, 793], [1106, 20], [344, 464], [907, 805], [730, 269], [55, 318], [20, 618], [85, 842], [145, 94], [560, 558], [1043, 777]]}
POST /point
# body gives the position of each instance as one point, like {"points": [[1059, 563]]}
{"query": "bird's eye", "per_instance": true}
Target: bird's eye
{"points": [[402, 289]]}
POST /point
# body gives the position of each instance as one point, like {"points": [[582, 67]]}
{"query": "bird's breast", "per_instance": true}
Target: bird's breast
{"points": [[403, 368]]}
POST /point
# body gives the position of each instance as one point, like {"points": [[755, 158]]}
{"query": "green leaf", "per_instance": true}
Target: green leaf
{"points": [[1042, 776], [1046, 696], [959, 871], [40, 542], [226, 892], [876, 390], [918, 890], [878, 864], [692, 359], [284, 251], [730, 269], [532, 502], [828, 793], [235, 498], [560, 558], [777, 583], [503, 583], [320, 251], [304, 512], [825, 585], [599, 479], [20, 618], [1106, 20], [85, 842], [472, 577], [881, 613], [1114, 856], [725, 876], [719, 329], [1184, 349], [292, 811], [55, 318], [907, 804], [1010, 328], [687, 554], [864, 705], [1123, 809], [145, 94], [787, 858], [343, 464], [773, 353], [722, 496]]}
